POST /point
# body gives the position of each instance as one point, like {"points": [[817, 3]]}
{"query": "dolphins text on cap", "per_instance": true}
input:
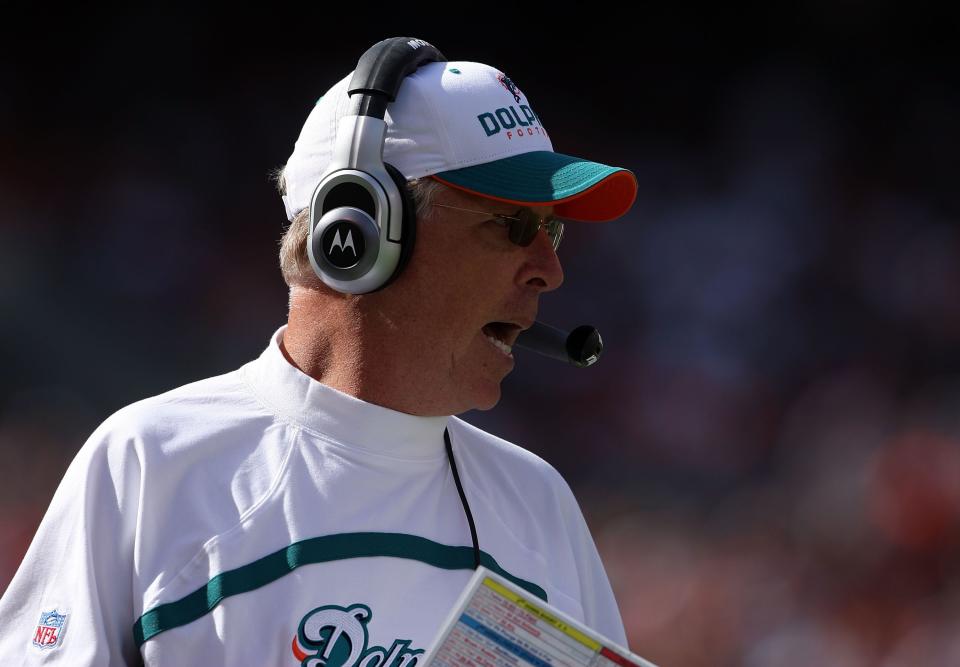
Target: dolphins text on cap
{"points": [[507, 118]]}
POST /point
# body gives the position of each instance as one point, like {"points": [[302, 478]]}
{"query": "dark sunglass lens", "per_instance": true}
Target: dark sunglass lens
{"points": [[524, 231], [519, 233]]}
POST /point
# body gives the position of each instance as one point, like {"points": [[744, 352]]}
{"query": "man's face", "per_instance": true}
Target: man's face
{"points": [[464, 274]]}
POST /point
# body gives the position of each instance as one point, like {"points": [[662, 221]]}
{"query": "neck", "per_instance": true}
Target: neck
{"points": [[340, 342]]}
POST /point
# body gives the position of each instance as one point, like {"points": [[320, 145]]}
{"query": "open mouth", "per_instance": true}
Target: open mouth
{"points": [[502, 335]]}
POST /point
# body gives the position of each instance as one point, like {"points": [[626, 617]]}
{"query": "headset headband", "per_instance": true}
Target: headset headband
{"points": [[381, 70]]}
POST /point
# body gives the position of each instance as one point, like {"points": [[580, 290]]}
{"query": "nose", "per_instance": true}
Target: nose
{"points": [[542, 269]]}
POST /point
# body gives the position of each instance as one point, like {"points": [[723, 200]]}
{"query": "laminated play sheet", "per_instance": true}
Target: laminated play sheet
{"points": [[495, 623]]}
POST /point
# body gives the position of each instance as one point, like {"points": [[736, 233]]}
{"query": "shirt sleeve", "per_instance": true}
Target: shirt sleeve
{"points": [[71, 601], [596, 595]]}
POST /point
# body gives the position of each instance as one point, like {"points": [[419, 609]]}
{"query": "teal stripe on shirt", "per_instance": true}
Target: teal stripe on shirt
{"points": [[314, 550]]}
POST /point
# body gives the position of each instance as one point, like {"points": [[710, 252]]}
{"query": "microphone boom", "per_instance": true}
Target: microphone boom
{"points": [[580, 347]]}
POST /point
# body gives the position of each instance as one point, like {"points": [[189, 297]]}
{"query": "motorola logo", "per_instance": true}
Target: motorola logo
{"points": [[337, 243], [343, 244]]}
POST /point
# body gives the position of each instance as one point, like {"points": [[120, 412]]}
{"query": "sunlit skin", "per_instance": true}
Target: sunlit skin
{"points": [[416, 346]]}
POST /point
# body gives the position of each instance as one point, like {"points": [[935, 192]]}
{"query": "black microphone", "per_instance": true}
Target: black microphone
{"points": [[580, 347]]}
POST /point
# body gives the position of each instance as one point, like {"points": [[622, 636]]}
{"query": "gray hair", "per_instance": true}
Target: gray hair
{"points": [[294, 262]]}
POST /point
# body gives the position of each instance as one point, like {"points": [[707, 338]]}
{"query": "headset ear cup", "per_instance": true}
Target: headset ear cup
{"points": [[409, 223]]}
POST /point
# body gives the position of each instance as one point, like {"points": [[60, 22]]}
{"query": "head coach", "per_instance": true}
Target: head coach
{"points": [[322, 504]]}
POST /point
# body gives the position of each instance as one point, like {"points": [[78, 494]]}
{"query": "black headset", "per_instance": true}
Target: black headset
{"points": [[362, 214]]}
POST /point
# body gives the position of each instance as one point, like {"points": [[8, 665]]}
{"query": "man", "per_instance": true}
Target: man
{"points": [[304, 509]]}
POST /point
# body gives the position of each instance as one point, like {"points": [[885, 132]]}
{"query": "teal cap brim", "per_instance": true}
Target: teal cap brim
{"points": [[578, 189]]}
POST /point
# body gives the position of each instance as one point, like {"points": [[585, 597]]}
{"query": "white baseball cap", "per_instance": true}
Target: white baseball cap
{"points": [[469, 126]]}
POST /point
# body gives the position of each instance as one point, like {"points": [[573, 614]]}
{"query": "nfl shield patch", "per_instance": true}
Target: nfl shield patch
{"points": [[50, 629]]}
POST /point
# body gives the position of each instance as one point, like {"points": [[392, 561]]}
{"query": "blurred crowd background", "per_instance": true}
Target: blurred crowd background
{"points": [[768, 452]]}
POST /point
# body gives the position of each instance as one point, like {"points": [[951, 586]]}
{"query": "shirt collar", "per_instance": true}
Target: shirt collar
{"points": [[293, 394]]}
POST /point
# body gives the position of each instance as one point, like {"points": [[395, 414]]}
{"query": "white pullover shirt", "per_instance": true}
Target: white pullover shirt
{"points": [[263, 518]]}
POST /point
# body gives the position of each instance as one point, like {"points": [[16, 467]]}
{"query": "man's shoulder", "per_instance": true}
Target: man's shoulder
{"points": [[205, 403], [525, 491], [507, 457]]}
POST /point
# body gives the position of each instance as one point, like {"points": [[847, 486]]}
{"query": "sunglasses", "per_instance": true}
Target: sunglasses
{"points": [[523, 226]]}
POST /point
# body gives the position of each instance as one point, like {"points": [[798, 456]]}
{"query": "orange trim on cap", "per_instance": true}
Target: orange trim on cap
{"points": [[603, 201]]}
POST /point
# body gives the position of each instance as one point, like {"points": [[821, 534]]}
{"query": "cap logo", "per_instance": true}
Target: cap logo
{"points": [[511, 121], [508, 83], [514, 122]]}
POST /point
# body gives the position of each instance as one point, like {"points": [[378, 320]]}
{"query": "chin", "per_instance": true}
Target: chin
{"points": [[487, 406], [487, 397]]}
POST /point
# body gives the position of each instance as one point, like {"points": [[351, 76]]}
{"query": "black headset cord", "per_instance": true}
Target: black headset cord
{"points": [[463, 500]]}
